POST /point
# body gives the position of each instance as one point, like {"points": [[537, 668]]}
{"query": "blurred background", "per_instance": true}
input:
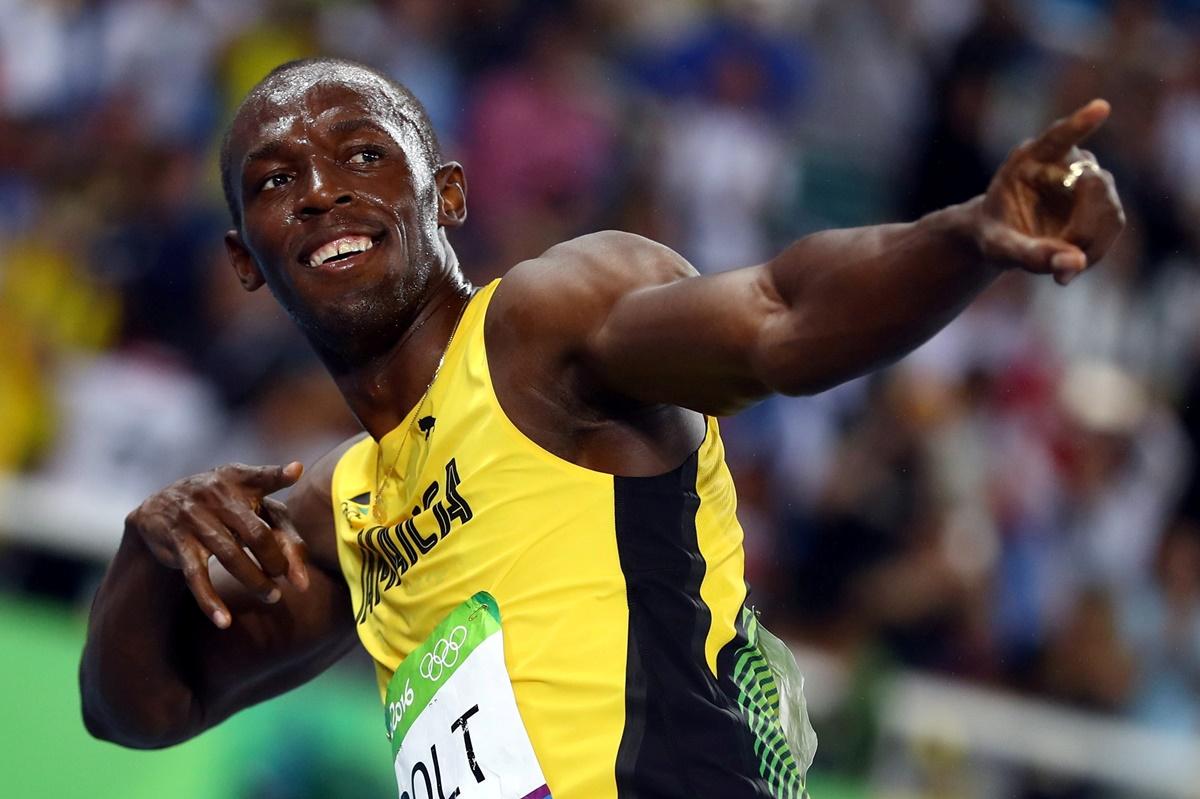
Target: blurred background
{"points": [[987, 557]]}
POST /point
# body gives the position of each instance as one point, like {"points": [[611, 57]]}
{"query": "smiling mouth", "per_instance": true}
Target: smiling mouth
{"points": [[340, 249]]}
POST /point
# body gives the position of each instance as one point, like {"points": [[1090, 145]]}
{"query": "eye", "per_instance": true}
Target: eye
{"points": [[366, 156], [275, 182]]}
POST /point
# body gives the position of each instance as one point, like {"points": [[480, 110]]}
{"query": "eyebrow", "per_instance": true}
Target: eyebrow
{"points": [[269, 150], [357, 124]]}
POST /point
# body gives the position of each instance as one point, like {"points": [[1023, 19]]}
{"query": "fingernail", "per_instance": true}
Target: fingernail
{"points": [[1063, 260], [274, 596], [300, 579], [221, 619]]}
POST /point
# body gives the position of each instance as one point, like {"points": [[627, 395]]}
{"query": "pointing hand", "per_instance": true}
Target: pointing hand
{"points": [[1051, 209]]}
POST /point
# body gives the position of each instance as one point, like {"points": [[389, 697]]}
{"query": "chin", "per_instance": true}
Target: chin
{"points": [[361, 324]]}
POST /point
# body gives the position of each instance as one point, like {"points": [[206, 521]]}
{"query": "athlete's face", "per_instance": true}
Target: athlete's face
{"points": [[341, 208]]}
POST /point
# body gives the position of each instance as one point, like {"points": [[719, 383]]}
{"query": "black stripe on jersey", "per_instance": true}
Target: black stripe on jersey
{"points": [[684, 736]]}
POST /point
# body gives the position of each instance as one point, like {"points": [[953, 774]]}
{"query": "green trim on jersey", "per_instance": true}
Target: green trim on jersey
{"points": [[758, 670]]}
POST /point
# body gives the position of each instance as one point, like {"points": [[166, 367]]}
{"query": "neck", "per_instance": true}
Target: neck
{"points": [[382, 390]]}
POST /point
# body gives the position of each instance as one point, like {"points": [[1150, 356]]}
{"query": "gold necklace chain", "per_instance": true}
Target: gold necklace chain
{"points": [[384, 477]]}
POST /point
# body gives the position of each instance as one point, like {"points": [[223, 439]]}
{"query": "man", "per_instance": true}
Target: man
{"points": [[536, 538]]}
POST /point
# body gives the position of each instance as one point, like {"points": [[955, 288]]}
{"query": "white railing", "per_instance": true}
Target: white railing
{"points": [[1006, 728]]}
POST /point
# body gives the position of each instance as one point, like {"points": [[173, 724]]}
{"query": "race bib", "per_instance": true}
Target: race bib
{"points": [[452, 717]]}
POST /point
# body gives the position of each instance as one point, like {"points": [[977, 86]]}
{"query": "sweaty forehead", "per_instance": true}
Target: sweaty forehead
{"points": [[295, 85], [319, 94]]}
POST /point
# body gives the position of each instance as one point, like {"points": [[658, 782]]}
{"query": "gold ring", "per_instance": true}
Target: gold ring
{"points": [[1077, 170]]}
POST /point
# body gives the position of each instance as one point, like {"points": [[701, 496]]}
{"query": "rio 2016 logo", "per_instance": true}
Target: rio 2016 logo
{"points": [[395, 710], [444, 654]]}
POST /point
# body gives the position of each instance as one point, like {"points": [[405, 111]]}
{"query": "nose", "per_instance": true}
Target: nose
{"points": [[319, 194]]}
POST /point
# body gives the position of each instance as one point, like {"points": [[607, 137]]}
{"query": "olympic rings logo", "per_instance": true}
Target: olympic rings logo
{"points": [[443, 655]]}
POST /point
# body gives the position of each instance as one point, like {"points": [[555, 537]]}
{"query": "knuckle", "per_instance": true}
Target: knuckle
{"points": [[257, 539], [280, 520], [198, 481], [277, 538], [175, 539], [211, 491], [229, 472], [194, 493], [223, 548], [256, 529], [274, 545], [190, 506]]}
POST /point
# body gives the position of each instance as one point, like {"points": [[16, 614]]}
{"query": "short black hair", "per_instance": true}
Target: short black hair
{"points": [[407, 108]]}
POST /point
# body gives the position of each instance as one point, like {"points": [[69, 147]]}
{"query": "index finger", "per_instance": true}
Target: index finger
{"points": [[269, 479], [1057, 140]]}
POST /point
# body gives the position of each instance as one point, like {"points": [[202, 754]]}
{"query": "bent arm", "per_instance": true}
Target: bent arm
{"points": [[832, 306], [156, 671]]}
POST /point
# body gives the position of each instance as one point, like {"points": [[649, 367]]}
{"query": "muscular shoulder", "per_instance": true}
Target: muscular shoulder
{"points": [[561, 297], [310, 504]]}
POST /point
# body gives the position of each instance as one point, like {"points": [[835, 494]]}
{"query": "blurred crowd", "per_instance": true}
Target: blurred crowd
{"points": [[1017, 503]]}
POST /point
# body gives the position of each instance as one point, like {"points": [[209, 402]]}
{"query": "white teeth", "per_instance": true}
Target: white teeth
{"points": [[347, 244]]}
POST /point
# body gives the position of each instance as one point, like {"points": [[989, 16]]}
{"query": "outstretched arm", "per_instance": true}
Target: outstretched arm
{"points": [[169, 655], [835, 304]]}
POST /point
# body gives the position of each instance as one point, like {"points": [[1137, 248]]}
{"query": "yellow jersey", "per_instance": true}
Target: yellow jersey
{"points": [[626, 640]]}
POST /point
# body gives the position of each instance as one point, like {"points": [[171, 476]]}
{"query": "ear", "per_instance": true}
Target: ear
{"points": [[452, 195], [243, 262]]}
